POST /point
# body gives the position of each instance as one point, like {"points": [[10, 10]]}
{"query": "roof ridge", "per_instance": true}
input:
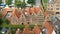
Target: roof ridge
{"points": [[15, 12]]}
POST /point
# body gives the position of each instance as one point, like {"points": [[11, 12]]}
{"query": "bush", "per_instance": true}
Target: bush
{"points": [[1, 21], [32, 2], [13, 31], [7, 21], [18, 3], [39, 25], [22, 27], [31, 26]]}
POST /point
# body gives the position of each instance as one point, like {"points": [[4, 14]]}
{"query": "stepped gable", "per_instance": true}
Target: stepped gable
{"points": [[6, 10]]}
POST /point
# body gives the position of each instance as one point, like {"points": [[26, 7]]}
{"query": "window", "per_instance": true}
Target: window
{"points": [[8, 14], [28, 22], [57, 8], [50, 8], [22, 23], [57, 5]]}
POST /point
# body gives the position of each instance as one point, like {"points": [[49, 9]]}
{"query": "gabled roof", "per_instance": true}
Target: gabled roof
{"points": [[34, 10], [49, 27], [29, 10], [5, 11], [15, 12], [39, 8]]}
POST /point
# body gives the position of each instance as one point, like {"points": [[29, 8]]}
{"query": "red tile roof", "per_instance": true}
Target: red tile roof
{"points": [[34, 10], [26, 30], [39, 8], [29, 10], [49, 27], [5, 11], [37, 30], [15, 12], [31, 32]]}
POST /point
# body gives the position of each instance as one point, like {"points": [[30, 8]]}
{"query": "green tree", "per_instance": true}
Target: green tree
{"points": [[32, 2], [17, 3], [31, 26], [23, 4], [7, 21], [44, 4], [22, 27], [0, 15], [0, 1], [8, 2], [1, 21]]}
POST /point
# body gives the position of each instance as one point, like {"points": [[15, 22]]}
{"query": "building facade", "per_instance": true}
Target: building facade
{"points": [[30, 16], [53, 5]]}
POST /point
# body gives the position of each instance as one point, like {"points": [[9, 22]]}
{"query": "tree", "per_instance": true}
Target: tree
{"points": [[17, 3], [0, 1], [31, 26], [32, 2], [0, 15], [7, 21], [44, 4], [1, 21], [8, 2], [23, 4]]}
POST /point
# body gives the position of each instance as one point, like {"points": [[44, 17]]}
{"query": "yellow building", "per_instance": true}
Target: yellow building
{"points": [[53, 5]]}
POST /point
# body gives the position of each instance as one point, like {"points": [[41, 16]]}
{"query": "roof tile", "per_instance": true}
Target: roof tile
{"points": [[5, 11], [49, 27], [37, 30], [15, 12]]}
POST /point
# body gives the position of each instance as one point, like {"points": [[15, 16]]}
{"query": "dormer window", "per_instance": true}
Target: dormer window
{"points": [[8, 14]]}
